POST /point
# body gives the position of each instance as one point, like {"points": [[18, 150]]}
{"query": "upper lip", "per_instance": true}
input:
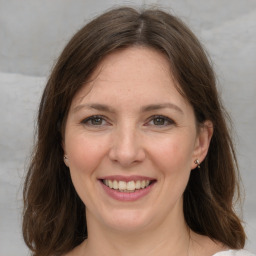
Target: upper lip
{"points": [[126, 178]]}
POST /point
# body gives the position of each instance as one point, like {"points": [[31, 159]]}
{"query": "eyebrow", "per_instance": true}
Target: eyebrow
{"points": [[96, 106], [161, 106], [147, 108]]}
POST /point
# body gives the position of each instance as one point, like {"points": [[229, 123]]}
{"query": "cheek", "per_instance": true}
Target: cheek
{"points": [[84, 154], [84, 157], [174, 153]]}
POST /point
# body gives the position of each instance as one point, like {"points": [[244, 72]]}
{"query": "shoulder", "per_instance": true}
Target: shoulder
{"points": [[234, 253]]}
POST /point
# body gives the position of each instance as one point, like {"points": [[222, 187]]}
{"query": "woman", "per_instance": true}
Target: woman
{"points": [[133, 154]]}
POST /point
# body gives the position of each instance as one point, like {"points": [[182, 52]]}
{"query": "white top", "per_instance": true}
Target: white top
{"points": [[234, 253]]}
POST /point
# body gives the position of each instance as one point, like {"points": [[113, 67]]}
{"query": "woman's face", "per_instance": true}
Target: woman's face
{"points": [[131, 142]]}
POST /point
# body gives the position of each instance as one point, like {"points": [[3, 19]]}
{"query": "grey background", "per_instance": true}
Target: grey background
{"points": [[32, 34]]}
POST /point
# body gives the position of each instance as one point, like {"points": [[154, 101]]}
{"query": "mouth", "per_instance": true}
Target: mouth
{"points": [[127, 186]]}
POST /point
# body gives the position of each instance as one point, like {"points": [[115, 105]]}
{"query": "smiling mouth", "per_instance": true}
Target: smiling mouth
{"points": [[127, 187]]}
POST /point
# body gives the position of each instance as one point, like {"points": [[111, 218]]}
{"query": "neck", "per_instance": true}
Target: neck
{"points": [[167, 238]]}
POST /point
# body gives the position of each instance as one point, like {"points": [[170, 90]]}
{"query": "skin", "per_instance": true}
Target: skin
{"points": [[127, 139]]}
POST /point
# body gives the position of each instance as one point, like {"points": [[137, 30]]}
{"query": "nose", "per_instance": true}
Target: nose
{"points": [[127, 147]]}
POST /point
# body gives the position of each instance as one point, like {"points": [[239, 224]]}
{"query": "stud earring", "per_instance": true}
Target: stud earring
{"points": [[197, 163], [65, 158]]}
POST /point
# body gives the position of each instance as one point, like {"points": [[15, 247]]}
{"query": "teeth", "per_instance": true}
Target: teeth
{"points": [[137, 184], [115, 184], [122, 185], [129, 186], [110, 184]]}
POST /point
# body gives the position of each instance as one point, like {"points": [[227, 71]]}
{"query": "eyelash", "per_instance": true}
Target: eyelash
{"points": [[88, 121], [164, 118], [93, 118]]}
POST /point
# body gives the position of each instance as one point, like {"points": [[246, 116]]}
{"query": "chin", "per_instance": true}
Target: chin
{"points": [[128, 221]]}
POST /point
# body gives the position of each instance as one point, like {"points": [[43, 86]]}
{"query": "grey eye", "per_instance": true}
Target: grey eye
{"points": [[159, 121], [96, 121]]}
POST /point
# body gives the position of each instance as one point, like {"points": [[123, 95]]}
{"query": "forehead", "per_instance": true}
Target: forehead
{"points": [[135, 74], [134, 62]]}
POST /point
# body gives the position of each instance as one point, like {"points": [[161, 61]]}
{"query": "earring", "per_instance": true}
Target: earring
{"points": [[65, 158], [197, 163]]}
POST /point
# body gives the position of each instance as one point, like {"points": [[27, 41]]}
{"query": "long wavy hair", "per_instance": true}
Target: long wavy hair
{"points": [[54, 220]]}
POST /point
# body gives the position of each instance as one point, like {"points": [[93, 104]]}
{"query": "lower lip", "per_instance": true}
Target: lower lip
{"points": [[127, 196]]}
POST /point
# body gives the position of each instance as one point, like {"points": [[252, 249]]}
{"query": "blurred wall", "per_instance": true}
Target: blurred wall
{"points": [[32, 34]]}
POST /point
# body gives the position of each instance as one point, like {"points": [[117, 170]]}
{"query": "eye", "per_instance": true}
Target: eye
{"points": [[160, 121], [95, 121]]}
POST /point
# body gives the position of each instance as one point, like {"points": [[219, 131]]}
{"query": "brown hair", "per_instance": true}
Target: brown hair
{"points": [[54, 219]]}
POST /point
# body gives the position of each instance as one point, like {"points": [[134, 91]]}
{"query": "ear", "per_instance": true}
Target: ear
{"points": [[63, 146], [65, 158], [202, 143]]}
